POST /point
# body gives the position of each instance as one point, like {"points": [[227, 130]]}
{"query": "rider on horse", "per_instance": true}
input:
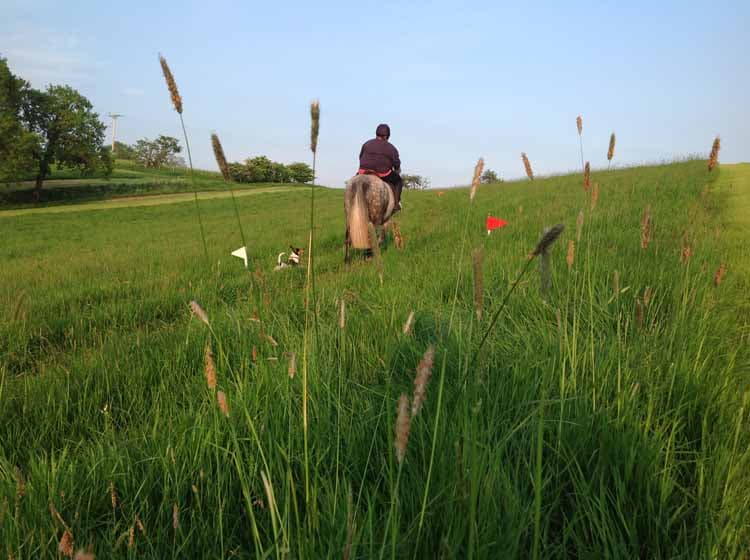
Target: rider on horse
{"points": [[380, 157]]}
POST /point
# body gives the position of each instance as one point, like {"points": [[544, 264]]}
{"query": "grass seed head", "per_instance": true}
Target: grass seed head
{"points": [[198, 312], [174, 93], [477, 178], [113, 495], [527, 166], [409, 323], [646, 227], [611, 149], [65, 546], [424, 372], [587, 177], [83, 555], [209, 369], [221, 159], [291, 369], [594, 196], [579, 124], [549, 237], [713, 159], [342, 313], [639, 316], [719, 276], [221, 399], [571, 254], [403, 425], [314, 125]]}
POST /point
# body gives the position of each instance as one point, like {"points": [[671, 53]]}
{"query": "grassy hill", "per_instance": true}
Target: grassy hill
{"points": [[127, 180], [606, 418]]}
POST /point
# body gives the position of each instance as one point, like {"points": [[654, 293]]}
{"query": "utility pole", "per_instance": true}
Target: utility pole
{"points": [[114, 117]]}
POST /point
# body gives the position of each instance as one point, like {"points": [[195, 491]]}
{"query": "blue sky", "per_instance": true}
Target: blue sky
{"points": [[454, 80]]}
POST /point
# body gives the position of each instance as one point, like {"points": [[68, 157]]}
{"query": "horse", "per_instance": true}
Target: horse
{"points": [[367, 200]]}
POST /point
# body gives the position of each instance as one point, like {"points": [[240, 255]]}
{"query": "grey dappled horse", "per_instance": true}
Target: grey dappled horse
{"points": [[368, 200]]}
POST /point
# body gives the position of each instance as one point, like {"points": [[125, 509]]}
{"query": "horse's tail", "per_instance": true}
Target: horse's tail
{"points": [[357, 218]]}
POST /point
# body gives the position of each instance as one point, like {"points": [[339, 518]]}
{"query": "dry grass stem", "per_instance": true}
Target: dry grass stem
{"points": [[209, 369], [477, 178], [527, 166], [174, 93], [198, 312], [409, 323], [254, 353], [175, 517], [314, 125], [291, 369], [342, 313], [571, 254], [478, 260], [221, 159], [646, 227], [545, 273], [424, 372], [713, 159], [403, 425], [579, 226], [221, 399]]}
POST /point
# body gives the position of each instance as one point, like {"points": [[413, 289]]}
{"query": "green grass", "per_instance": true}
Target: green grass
{"points": [[69, 186], [579, 433]]}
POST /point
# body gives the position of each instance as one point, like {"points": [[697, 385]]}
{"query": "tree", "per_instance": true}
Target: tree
{"points": [[415, 182], [490, 176], [16, 141], [68, 133], [124, 151], [300, 172], [157, 153]]}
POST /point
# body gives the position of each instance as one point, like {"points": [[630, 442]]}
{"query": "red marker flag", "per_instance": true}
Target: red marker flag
{"points": [[495, 223]]}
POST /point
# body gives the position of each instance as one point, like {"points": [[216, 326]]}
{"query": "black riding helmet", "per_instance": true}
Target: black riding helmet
{"points": [[383, 130]]}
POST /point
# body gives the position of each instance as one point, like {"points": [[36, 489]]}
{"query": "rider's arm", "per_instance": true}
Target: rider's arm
{"points": [[396, 161]]}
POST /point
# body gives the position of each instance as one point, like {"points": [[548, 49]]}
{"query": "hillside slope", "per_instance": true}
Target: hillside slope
{"points": [[607, 417]]}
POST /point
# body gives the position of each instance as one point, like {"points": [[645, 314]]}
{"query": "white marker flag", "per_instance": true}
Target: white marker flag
{"points": [[241, 253]]}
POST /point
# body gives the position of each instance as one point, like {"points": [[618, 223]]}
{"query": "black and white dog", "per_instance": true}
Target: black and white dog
{"points": [[292, 258]]}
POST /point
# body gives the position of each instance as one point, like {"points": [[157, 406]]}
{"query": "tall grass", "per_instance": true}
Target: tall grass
{"points": [[603, 422]]}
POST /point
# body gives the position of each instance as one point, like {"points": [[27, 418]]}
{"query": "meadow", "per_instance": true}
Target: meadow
{"points": [[607, 416], [128, 179]]}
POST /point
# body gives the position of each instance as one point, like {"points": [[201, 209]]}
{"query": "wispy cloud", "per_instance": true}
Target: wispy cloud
{"points": [[44, 56]]}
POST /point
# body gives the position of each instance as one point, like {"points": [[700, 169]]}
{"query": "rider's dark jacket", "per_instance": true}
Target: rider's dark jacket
{"points": [[380, 156]]}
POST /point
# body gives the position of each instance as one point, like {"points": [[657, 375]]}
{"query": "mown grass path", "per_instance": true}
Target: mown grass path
{"points": [[149, 200]]}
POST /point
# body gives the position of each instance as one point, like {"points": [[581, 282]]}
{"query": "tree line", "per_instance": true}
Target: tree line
{"points": [[41, 129]]}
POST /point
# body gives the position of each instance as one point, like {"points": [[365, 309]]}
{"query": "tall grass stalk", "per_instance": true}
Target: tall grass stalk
{"points": [[177, 103], [221, 161], [309, 294]]}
